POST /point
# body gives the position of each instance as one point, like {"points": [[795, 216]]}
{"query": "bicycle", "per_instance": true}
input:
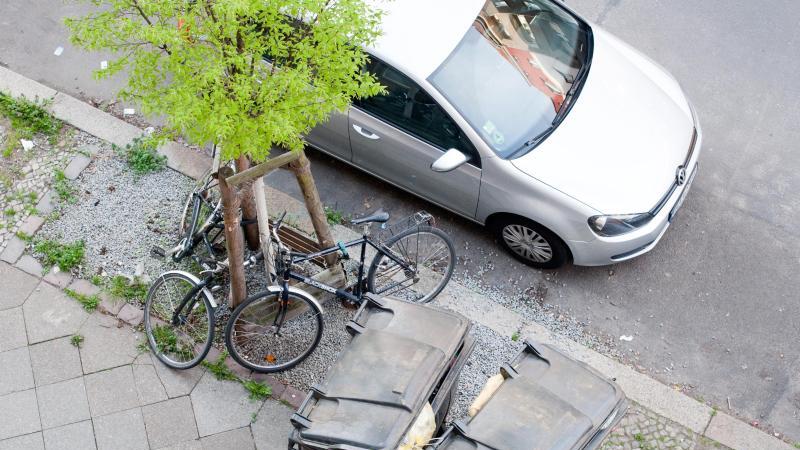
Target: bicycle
{"points": [[278, 328], [256, 331]]}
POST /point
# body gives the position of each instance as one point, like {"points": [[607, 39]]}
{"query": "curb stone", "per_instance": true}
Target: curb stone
{"points": [[652, 394]]}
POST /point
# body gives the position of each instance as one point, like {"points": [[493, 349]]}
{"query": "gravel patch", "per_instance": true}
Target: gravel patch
{"points": [[121, 217]]}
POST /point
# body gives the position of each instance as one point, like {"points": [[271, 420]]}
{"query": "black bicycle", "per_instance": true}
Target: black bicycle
{"points": [[276, 329]]}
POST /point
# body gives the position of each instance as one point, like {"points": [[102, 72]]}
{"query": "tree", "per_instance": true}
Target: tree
{"points": [[247, 75]]}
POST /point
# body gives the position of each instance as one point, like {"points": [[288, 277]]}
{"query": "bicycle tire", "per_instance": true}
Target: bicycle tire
{"points": [[152, 329], [405, 249], [188, 213], [266, 347]]}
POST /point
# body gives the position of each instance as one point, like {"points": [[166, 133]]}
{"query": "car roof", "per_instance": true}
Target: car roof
{"points": [[417, 35]]}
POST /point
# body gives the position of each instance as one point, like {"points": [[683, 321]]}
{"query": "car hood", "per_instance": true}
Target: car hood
{"points": [[619, 147]]}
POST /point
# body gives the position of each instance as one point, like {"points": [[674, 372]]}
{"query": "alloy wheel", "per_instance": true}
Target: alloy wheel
{"points": [[527, 243]]}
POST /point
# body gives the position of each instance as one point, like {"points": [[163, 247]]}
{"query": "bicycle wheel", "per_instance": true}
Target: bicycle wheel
{"points": [[179, 340], [267, 336], [210, 196], [429, 258]]}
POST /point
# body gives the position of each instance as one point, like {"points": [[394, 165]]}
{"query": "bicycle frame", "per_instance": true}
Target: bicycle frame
{"points": [[355, 297]]}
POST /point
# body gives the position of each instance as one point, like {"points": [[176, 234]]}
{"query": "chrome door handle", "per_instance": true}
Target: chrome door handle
{"points": [[365, 133]]}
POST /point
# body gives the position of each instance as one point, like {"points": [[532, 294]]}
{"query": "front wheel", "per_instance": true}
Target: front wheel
{"points": [[267, 334], [178, 320], [421, 263], [531, 243]]}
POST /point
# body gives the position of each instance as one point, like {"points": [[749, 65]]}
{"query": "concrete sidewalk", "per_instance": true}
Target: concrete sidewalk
{"points": [[107, 394]]}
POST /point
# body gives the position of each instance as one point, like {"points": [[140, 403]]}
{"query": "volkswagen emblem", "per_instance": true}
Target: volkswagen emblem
{"points": [[680, 175]]}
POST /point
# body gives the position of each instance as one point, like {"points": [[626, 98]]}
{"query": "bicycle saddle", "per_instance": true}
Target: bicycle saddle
{"points": [[378, 216]]}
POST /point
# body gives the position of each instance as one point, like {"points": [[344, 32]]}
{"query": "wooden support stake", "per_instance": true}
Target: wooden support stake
{"points": [[302, 171], [234, 241], [262, 169], [260, 196]]}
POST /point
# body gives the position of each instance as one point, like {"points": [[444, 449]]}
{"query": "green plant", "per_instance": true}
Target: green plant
{"points": [[23, 236], [28, 117], [96, 280], [142, 156], [65, 256], [63, 187], [122, 287], [515, 336], [76, 340], [10, 212], [639, 437], [797, 445], [253, 417], [143, 346], [220, 370], [713, 412], [258, 391], [334, 216], [89, 302]]}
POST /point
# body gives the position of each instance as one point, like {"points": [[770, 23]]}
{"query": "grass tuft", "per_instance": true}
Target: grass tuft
{"points": [[220, 370], [65, 256], [63, 187], [29, 117], [76, 340], [89, 302], [334, 216], [142, 156], [122, 287], [257, 390]]}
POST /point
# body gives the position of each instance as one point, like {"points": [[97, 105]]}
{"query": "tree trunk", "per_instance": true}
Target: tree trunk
{"points": [[249, 210], [302, 171], [234, 241]]}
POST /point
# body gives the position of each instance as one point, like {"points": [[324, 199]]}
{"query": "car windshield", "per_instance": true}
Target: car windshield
{"points": [[515, 70]]}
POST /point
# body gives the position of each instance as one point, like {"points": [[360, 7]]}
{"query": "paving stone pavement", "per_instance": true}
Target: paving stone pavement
{"points": [[644, 430], [107, 394]]}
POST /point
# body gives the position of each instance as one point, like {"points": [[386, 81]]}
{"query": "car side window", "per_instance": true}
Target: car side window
{"points": [[407, 106]]}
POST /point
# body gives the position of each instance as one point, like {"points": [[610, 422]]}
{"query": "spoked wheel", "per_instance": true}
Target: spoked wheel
{"points": [[428, 257], [268, 335], [179, 329], [210, 196]]}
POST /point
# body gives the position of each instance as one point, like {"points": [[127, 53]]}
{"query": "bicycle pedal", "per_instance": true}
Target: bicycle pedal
{"points": [[157, 252]]}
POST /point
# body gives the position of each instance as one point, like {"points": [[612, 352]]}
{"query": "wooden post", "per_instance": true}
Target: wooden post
{"points": [[302, 171], [249, 210], [234, 241], [263, 226]]}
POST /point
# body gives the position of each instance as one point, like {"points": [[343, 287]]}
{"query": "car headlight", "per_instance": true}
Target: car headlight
{"points": [[618, 224]]}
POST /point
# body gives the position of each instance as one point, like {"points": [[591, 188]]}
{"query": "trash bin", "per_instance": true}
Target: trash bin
{"points": [[545, 400], [395, 379]]}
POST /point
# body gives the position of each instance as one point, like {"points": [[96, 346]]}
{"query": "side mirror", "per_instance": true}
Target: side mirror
{"points": [[451, 160]]}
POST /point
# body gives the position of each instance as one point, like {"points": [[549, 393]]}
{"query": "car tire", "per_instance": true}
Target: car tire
{"points": [[530, 242]]}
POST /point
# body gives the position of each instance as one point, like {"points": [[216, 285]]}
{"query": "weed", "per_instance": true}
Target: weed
{"points": [[143, 346], [10, 212], [97, 280], [220, 370], [166, 340], [24, 237], [66, 256], [258, 391], [285, 402], [515, 336], [122, 287], [639, 437], [797, 445], [335, 217], [142, 156], [11, 144], [253, 417], [713, 412], [89, 302], [63, 187], [29, 117], [76, 340]]}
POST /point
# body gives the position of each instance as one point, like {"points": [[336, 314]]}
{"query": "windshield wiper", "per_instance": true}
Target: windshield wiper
{"points": [[533, 142]]}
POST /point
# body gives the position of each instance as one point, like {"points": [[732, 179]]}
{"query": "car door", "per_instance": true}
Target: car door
{"points": [[332, 136], [398, 135]]}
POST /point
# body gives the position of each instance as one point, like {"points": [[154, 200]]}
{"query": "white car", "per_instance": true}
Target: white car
{"points": [[520, 115]]}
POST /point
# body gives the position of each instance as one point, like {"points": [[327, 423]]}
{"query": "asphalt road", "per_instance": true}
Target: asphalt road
{"points": [[714, 308]]}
